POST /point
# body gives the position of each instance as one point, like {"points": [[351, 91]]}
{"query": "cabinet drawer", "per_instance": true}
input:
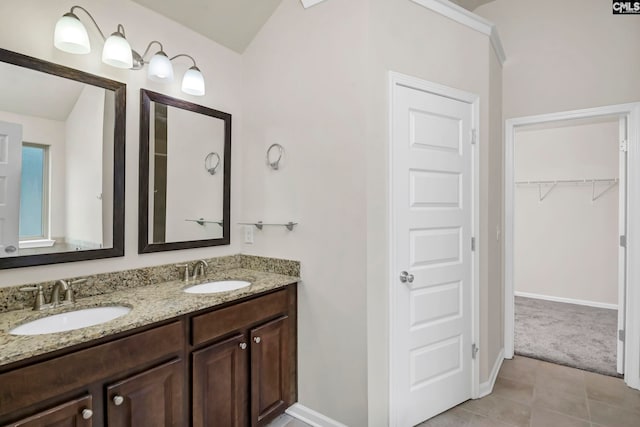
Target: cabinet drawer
{"points": [[32, 384], [209, 326]]}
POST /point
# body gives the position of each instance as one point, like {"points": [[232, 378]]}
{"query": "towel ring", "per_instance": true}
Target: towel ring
{"points": [[275, 164], [209, 164]]}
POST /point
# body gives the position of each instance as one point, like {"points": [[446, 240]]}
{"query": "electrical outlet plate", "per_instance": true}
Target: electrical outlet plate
{"points": [[248, 234]]}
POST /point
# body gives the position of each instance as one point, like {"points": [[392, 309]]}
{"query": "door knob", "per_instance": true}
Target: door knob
{"points": [[243, 345], [87, 414], [118, 400], [406, 277], [257, 340]]}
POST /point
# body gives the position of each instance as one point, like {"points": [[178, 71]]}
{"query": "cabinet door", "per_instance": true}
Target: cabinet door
{"points": [[220, 384], [76, 413], [269, 370], [153, 398]]}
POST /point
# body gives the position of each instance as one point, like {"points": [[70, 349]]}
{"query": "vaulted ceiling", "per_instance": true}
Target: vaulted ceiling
{"points": [[234, 23]]}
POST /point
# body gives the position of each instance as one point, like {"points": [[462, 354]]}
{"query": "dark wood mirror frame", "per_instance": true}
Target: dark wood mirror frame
{"points": [[146, 97], [120, 90]]}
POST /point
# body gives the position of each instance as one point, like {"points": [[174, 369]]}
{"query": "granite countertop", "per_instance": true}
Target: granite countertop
{"points": [[149, 304]]}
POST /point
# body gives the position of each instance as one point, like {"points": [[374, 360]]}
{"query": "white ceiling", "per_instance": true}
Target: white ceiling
{"points": [[232, 23], [33, 93]]}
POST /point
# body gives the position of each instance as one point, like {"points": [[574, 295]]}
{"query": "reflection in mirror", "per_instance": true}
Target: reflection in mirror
{"points": [[184, 174], [61, 131]]}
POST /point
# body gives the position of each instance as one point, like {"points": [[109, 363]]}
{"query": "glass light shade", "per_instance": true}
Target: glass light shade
{"points": [[117, 51], [193, 82], [160, 68], [71, 36]]}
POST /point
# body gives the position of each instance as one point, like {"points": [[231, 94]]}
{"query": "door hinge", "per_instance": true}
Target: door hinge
{"points": [[474, 136], [623, 241], [624, 145], [621, 335], [473, 244], [474, 350]]}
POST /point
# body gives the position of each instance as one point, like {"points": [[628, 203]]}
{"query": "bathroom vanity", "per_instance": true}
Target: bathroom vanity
{"points": [[226, 360]]}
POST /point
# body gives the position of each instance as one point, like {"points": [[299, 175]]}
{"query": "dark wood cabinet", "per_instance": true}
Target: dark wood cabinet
{"points": [[245, 373], [151, 398], [74, 413], [228, 366], [269, 370], [220, 384]]}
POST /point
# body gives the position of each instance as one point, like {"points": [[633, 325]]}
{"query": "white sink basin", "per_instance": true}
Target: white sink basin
{"points": [[70, 320], [217, 286]]}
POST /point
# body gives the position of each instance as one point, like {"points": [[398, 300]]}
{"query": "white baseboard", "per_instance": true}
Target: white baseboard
{"points": [[567, 300], [311, 417], [487, 387]]}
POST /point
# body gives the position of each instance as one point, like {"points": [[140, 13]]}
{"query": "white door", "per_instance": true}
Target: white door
{"points": [[10, 167], [432, 222], [622, 250]]}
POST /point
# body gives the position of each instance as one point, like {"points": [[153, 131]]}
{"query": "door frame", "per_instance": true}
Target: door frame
{"points": [[397, 79], [632, 322]]}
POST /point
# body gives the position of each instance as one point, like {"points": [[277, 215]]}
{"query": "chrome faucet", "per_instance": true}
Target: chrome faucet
{"points": [[200, 269], [39, 302]]}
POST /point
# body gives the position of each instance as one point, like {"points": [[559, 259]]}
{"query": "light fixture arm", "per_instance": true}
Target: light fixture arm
{"points": [[121, 30], [186, 56], [92, 20], [151, 43]]}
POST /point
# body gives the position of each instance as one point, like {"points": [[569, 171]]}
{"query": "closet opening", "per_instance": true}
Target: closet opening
{"points": [[568, 266], [580, 250]]}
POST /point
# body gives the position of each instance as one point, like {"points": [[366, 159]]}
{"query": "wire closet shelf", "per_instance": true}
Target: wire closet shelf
{"points": [[546, 186]]}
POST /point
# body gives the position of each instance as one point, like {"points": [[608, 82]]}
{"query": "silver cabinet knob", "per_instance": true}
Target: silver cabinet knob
{"points": [[256, 340], [118, 400], [243, 345], [87, 414], [406, 277]]}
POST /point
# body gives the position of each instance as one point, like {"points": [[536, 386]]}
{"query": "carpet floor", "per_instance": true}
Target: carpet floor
{"points": [[572, 335]]}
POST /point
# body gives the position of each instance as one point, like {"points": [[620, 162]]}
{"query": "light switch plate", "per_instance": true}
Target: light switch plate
{"points": [[248, 234]]}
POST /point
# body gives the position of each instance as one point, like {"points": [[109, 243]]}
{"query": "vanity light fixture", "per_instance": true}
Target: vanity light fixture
{"points": [[71, 36]]}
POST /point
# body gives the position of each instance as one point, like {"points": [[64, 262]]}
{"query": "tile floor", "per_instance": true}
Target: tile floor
{"points": [[531, 393], [285, 420]]}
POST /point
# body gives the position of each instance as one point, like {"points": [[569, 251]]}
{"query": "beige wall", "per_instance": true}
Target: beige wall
{"points": [[402, 38], [34, 22], [304, 88], [567, 246], [565, 55]]}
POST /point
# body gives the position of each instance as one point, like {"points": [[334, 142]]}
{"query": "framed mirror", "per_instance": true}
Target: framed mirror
{"points": [[185, 174], [62, 149]]}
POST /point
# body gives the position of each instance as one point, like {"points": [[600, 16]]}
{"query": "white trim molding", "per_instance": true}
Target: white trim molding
{"points": [[469, 19], [567, 300], [631, 113], [486, 388], [311, 417], [308, 3]]}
